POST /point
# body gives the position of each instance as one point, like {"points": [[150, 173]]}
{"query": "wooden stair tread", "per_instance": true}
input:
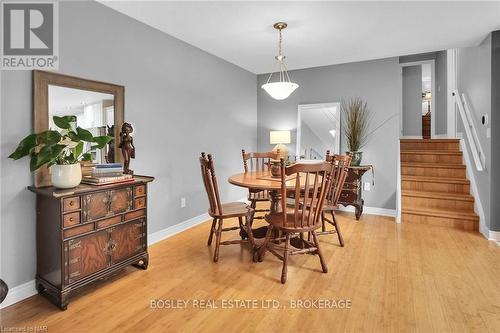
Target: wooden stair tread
{"points": [[432, 165], [454, 214], [438, 195], [431, 152], [430, 179], [430, 140]]}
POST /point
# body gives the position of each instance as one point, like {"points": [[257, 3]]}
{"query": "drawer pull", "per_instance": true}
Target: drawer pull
{"points": [[71, 203], [71, 219]]}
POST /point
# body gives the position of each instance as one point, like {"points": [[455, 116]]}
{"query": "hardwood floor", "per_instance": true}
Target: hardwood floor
{"points": [[398, 278]]}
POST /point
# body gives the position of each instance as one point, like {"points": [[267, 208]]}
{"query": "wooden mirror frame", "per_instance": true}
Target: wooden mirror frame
{"points": [[41, 82]]}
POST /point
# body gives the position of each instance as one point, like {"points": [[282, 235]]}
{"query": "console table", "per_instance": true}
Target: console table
{"points": [[352, 192], [87, 233]]}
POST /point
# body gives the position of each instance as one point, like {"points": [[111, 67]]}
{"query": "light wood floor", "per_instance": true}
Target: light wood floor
{"points": [[397, 277]]}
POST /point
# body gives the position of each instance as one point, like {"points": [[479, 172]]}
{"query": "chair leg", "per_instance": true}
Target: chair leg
{"points": [[318, 250], [337, 228], [323, 227], [212, 230], [242, 227], [263, 247], [253, 204], [285, 258], [218, 236]]}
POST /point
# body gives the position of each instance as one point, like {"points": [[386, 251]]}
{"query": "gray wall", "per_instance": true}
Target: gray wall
{"points": [[474, 79], [376, 82], [180, 99], [440, 100], [495, 134], [412, 100]]}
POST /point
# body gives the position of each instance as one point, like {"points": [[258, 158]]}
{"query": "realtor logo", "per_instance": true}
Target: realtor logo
{"points": [[30, 35]]}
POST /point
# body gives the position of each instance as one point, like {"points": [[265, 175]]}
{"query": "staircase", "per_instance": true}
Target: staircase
{"points": [[434, 187]]}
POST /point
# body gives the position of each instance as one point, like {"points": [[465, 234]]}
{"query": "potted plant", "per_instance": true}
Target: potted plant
{"points": [[356, 119], [60, 150]]}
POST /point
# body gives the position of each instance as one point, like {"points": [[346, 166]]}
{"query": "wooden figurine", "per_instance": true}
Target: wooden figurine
{"points": [[127, 146]]}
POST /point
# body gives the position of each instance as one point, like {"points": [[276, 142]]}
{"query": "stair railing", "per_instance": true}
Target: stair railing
{"points": [[470, 130]]}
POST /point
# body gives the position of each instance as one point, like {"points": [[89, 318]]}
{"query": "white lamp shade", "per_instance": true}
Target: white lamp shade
{"points": [[277, 137], [280, 90]]}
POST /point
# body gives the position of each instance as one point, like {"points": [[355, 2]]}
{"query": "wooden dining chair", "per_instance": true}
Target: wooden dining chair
{"points": [[258, 162], [340, 165], [314, 179], [219, 212]]}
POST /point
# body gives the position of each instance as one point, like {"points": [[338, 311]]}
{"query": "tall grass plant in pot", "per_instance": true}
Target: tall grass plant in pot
{"points": [[355, 121]]}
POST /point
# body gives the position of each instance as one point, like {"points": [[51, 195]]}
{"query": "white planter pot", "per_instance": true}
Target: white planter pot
{"points": [[66, 176]]}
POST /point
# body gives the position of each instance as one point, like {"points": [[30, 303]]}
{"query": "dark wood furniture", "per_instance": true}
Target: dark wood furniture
{"points": [[426, 126], [305, 215], [87, 233], [341, 165], [352, 193], [258, 162], [219, 211], [41, 82]]}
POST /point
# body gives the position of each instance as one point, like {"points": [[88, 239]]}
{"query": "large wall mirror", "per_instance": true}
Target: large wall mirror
{"points": [[318, 130], [98, 107]]}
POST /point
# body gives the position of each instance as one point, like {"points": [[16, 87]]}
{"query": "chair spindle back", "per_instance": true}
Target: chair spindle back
{"points": [[210, 182], [313, 180], [341, 165], [258, 162]]}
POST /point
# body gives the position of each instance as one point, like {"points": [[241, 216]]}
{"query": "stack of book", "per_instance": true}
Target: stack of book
{"points": [[104, 174], [87, 167]]}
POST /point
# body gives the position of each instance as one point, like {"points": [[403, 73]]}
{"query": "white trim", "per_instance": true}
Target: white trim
{"points": [[478, 207], [176, 228], [451, 85], [410, 137], [371, 211], [431, 62], [494, 236], [440, 136], [303, 107], [18, 293]]}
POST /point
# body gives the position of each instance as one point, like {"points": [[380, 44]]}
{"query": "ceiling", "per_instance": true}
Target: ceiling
{"points": [[63, 101], [318, 33]]}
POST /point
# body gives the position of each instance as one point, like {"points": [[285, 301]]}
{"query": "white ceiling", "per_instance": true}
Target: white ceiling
{"points": [[318, 33], [63, 101]]}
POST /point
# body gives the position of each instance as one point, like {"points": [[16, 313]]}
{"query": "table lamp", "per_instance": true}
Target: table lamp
{"points": [[280, 138]]}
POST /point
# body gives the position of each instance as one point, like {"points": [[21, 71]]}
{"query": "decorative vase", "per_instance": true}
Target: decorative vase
{"points": [[66, 176], [275, 168], [356, 158]]}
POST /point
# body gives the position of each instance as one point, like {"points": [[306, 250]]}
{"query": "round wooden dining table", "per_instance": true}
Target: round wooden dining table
{"points": [[261, 181]]}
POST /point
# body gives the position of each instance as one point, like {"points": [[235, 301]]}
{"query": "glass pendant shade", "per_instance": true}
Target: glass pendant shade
{"points": [[280, 90], [284, 87]]}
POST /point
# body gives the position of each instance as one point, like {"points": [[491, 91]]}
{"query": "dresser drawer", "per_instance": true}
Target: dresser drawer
{"points": [[348, 196], [140, 190], [140, 202], [78, 230], [70, 204], [107, 203], [108, 222], [71, 219], [136, 214]]}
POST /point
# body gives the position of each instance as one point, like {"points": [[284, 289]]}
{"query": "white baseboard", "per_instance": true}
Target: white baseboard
{"points": [[176, 228], [494, 236], [372, 211], [440, 136], [18, 293]]}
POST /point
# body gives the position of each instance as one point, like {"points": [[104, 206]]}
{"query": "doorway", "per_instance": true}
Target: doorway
{"points": [[417, 87]]}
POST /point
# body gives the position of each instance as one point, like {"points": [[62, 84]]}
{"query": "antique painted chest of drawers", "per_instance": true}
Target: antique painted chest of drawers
{"points": [[87, 233]]}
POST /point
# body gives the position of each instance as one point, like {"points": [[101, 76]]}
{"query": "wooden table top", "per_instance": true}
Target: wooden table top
{"points": [[261, 180]]}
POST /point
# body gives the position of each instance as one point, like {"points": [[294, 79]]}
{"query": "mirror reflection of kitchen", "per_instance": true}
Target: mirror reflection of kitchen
{"points": [[94, 112]]}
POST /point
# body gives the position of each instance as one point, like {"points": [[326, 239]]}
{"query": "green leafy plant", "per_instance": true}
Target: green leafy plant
{"points": [[356, 120], [59, 147]]}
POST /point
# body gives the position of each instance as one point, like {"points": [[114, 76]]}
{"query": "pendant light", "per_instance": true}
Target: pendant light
{"points": [[284, 87]]}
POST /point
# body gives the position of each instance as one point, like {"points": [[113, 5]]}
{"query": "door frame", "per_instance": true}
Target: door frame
{"points": [[432, 62]]}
